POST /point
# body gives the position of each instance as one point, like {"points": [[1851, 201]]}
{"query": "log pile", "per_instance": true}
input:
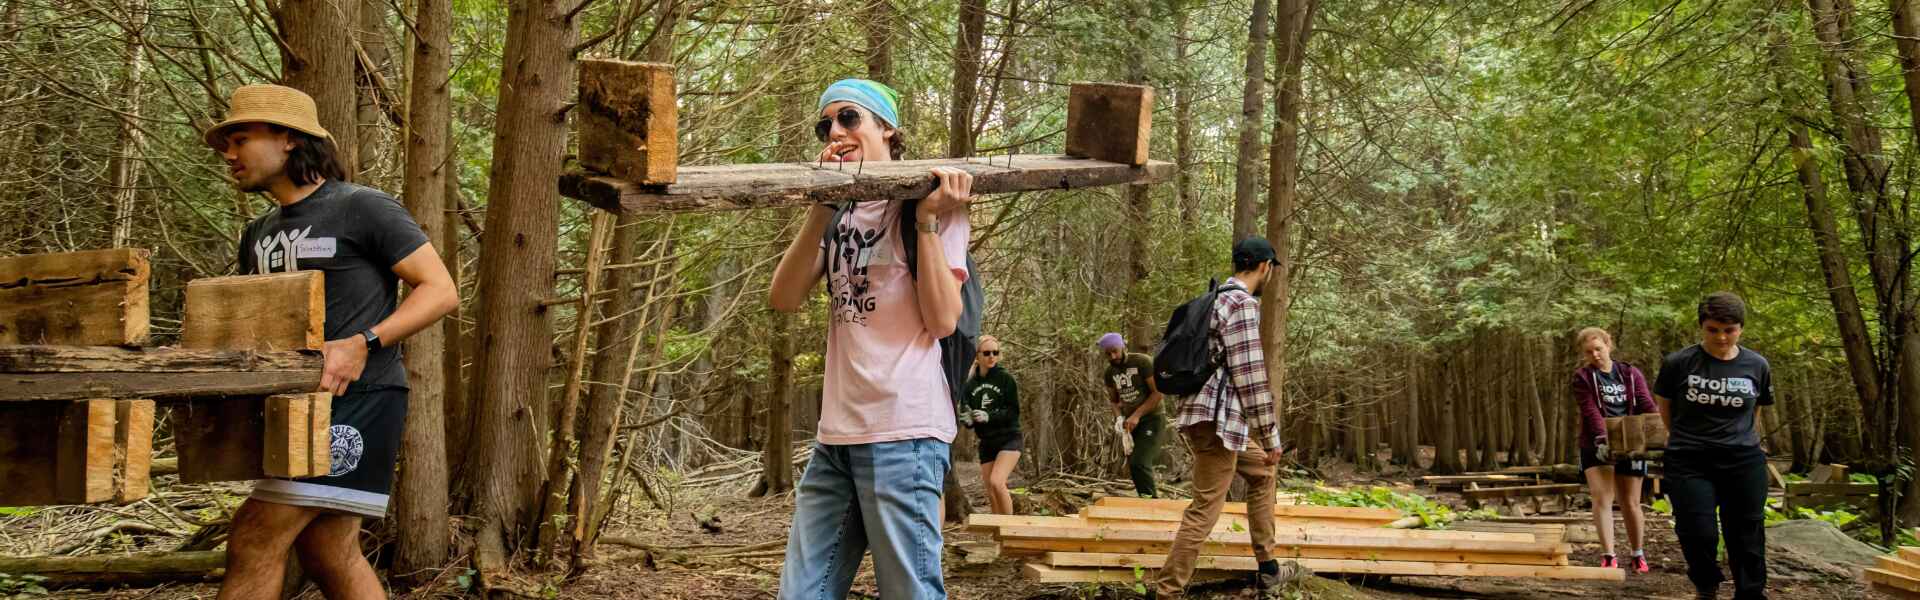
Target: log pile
{"points": [[1107, 541]]}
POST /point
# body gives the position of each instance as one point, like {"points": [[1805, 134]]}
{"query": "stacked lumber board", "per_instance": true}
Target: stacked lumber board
{"points": [[1487, 480], [1114, 536], [1897, 575]]}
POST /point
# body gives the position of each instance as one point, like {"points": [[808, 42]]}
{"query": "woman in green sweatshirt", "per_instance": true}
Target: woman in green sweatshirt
{"points": [[992, 409]]}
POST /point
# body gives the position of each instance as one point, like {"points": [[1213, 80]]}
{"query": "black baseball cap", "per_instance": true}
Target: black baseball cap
{"points": [[1250, 252]]}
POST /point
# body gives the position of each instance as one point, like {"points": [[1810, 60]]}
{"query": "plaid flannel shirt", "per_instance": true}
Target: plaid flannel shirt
{"points": [[1236, 399]]}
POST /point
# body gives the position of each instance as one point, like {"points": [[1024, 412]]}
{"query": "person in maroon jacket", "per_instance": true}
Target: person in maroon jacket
{"points": [[1605, 388]]}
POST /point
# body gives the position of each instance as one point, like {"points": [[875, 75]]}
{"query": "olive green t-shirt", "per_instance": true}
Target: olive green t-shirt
{"points": [[1129, 380]]}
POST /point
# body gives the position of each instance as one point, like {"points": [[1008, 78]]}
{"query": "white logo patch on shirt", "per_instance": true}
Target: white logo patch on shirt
{"points": [[317, 247]]}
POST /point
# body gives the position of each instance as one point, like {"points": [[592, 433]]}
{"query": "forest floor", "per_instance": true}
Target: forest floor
{"points": [[668, 555]]}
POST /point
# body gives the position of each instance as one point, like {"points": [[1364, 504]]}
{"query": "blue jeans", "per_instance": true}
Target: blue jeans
{"points": [[883, 496]]}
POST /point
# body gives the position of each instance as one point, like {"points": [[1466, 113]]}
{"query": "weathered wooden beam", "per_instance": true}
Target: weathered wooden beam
{"points": [[92, 298], [1555, 489], [1109, 121], [282, 311], [113, 570], [133, 449], [628, 121], [221, 439], [739, 187], [32, 373]]}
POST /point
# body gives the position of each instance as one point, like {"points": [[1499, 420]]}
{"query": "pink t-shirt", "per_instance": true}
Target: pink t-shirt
{"points": [[883, 377]]}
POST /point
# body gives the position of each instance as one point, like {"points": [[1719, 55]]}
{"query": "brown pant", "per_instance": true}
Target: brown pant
{"points": [[1213, 469]]}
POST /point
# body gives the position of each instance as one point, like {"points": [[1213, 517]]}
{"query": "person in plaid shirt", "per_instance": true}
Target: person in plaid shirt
{"points": [[1232, 407]]}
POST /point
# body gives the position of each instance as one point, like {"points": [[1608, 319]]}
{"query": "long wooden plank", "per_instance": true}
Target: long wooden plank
{"points": [[1556, 489], [91, 298], [1018, 547], [990, 523], [739, 187], [37, 373], [1893, 580], [1040, 573], [1832, 489], [268, 313], [1910, 554], [1898, 566], [1304, 538], [1328, 565], [1388, 515], [1282, 514], [115, 569]]}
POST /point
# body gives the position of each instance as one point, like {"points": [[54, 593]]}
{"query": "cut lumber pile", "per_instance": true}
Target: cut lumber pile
{"points": [[1897, 575], [78, 391], [1449, 483], [1861, 496], [1115, 535]]}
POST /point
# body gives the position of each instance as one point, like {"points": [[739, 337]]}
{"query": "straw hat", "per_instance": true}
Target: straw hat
{"points": [[263, 103]]}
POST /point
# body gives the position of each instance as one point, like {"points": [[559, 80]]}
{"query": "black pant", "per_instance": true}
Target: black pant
{"points": [[1734, 481], [1147, 437]]}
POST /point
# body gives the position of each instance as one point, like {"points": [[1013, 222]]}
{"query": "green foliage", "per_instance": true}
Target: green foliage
{"points": [[1432, 514], [17, 587]]}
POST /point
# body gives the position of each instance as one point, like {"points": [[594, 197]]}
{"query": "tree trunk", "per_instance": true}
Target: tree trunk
{"points": [[1446, 445], [881, 21], [776, 460], [966, 77], [125, 167], [371, 38], [1290, 32], [1183, 154], [1253, 105], [1139, 197], [459, 418], [420, 502], [1907, 41], [318, 59], [516, 266]]}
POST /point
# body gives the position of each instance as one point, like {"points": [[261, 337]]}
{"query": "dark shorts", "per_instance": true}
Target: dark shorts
{"points": [[366, 432], [1590, 458], [991, 447]]}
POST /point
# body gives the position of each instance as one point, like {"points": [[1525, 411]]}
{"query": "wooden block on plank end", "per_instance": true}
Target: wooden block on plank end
{"points": [[85, 459], [297, 436], [267, 313], [1110, 121], [220, 439], [627, 120], [133, 449], [91, 298]]}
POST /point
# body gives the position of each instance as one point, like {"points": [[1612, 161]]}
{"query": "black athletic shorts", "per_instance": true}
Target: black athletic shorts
{"points": [[366, 446], [991, 447], [1590, 458]]}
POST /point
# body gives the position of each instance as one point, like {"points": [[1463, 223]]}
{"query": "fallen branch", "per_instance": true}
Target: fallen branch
{"points": [[100, 533], [138, 570]]}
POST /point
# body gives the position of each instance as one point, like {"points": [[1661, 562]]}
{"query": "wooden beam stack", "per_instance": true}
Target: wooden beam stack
{"points": [[1897, 575], [77, 392], [1115, 535]]}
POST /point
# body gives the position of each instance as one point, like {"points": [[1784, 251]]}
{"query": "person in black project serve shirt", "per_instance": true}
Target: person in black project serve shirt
{"points": [[365, 243], [993, 411], [1606, 388], [1708, 394]]}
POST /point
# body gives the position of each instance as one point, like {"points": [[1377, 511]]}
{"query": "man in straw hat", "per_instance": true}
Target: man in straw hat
{"points": [[366, 243]]}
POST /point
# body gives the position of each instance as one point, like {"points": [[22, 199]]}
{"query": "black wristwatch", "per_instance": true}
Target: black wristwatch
{"points": [[373, 339]]}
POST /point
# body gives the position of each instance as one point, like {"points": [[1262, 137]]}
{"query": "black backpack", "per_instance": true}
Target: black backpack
{"points": [[957, 349], [1183, 360]]}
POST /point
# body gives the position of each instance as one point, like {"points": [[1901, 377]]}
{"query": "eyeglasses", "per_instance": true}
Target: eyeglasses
{"points": [[849, 120], [989, 352]]}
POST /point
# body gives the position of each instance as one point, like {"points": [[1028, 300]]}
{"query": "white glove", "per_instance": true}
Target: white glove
{"points": [[979, 417], [966, 418], [1126, 439]]}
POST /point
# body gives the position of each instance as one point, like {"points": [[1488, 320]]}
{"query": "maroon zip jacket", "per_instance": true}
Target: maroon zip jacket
{"points": [[1586, 393]]}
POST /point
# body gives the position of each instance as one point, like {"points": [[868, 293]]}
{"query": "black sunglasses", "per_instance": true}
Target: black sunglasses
{"points": [[989, 352], [849, 120]]}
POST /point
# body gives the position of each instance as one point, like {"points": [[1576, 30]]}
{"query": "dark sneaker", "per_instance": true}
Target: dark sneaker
{"points": [[1273, 575], [1640, 564], [1607, 561]]}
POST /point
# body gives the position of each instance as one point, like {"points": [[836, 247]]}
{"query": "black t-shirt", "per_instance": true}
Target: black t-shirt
{"points": [[1613, 393], [1713, 401], [355, 235]]}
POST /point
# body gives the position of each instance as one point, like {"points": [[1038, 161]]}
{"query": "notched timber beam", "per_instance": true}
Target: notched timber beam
{"points": [[34, 373]]}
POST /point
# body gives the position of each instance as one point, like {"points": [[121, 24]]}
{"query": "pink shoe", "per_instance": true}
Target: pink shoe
{"points": [[1640, 564], [1607, 561]]}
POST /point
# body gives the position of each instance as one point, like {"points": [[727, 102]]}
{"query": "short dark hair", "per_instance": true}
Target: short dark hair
{"points": [[1724, 307], [313, 158]]}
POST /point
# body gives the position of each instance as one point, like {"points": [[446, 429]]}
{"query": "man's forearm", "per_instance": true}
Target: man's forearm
{"points": [[1147, 408], [422, 307]]}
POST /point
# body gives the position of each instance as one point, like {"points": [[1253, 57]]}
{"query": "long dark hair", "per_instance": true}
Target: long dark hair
{"points": [[897, 145], [312, 159]]}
